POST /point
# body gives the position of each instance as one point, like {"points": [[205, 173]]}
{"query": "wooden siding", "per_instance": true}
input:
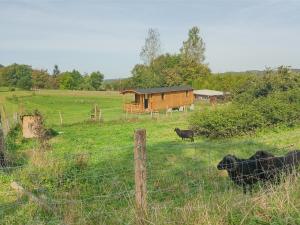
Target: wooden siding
{"points": [[171, 100], [160, 101]]}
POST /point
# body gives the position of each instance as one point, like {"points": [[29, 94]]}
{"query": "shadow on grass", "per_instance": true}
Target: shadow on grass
{"points": [[180, 171]]}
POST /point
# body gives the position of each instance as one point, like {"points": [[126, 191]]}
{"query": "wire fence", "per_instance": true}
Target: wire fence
{"points": [[92, 186], [96, 188]]}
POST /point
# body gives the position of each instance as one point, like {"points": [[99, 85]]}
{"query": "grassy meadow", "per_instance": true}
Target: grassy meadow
{"points": [[86, 175]]}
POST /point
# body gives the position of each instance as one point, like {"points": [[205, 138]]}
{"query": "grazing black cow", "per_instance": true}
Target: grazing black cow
{"points": [[185, 134], [261, 154], [241, 171], [262, 166]]}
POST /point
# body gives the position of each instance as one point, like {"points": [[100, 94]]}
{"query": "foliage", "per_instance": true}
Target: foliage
{"points": [[67, 81], [151, 49], [96, 79], [40, 79], [117, 84], [24, 77], [271, 81], [268, 100], [229, 82], [56, 71], [226, 122], [167, 70], [16, 76], [170, 69], [193, 49]]}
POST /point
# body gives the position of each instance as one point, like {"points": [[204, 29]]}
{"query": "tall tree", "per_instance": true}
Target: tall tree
{"points": [[152, 47], [96, 79], [194, 47], [56, 71]]}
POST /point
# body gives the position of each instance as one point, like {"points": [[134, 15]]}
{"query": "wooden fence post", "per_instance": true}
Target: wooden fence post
{"points": [[61, 119], [95, 112], [5, 120], [16, 118], [2, 148], [140, 172], [100, 115]]}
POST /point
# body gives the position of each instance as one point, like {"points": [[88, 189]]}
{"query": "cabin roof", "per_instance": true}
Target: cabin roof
{"points": [[158, 90], [207, 92]]}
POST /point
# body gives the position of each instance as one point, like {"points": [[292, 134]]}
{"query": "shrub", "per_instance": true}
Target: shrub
{"points": [[268, 100], [279, 108], [227, 122]]}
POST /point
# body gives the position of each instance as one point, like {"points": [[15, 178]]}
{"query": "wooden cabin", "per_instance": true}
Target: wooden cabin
{"points": [[155, 99]]}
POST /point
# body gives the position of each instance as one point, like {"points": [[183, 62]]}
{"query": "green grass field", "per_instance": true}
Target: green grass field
{"points": [[87, 175]]}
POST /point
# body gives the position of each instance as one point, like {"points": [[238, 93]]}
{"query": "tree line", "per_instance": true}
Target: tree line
{"points": [[157, 69], [25, 77]]}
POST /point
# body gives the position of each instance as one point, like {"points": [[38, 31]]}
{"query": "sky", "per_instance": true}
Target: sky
{"points": [[90, 35]]}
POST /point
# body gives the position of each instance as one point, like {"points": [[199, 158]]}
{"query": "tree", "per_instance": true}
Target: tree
{"points": [[77, 78], [152, 47], [56, 71], [191, 70], [168, 70], [66, 81], [2, 81], [96, 79], [70, 80], [143, 77], [40, 78], [53, 81], [193, 49], [17, 76]]}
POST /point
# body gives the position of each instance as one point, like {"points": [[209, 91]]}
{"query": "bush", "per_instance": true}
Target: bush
{"points": [[267, 101], [226, 122], [279, 108]]}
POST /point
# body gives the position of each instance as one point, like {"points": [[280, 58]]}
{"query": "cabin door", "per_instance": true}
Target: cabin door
{"points": [[146, 104]]}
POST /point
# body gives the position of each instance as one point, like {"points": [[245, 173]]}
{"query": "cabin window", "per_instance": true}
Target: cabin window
{"points": [[186, 93], [162, 96]]}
